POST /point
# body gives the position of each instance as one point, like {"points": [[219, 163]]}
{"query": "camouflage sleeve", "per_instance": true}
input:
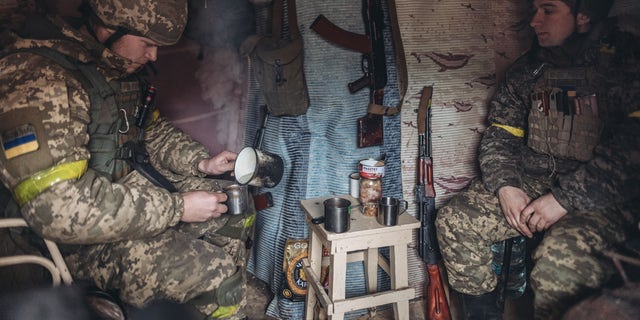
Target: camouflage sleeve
{"points": [[612, 176], [173, 150], [504, 137], [95, 210]]}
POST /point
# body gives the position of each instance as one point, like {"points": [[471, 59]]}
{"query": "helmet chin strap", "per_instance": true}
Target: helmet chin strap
{"points": [[120, 32]]}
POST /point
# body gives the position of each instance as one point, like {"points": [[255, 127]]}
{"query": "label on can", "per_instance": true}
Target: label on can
{"points": [[371, 169]]}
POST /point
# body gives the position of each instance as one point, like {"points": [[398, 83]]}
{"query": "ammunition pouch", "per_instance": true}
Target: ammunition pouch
{"points": [[564, 120]]}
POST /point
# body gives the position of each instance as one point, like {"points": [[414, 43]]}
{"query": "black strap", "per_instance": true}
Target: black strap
{"points": [[115, 36], [136, 155]]}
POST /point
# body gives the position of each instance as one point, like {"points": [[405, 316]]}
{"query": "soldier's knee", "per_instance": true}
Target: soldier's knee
{"points": [[564, 265], [442, 218]]}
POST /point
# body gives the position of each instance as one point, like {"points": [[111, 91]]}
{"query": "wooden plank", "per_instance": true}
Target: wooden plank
{"points": [[376, 299]]}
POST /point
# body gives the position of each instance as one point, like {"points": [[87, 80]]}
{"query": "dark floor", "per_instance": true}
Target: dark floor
{"points": [[259, 297]]}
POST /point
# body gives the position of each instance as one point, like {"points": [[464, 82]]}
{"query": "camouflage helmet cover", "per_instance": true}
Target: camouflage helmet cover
{"points": [[162, 21]]}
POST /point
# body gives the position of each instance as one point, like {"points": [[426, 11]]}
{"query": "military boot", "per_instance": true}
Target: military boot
{"points": [[482, 307]]}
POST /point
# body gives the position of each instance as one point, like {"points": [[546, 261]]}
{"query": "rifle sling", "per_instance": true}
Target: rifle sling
{"points": [[135, 154], [374, 108], [401, 62]]}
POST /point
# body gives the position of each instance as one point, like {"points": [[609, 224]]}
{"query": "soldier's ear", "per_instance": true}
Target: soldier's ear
{"points": [[583, 22]]}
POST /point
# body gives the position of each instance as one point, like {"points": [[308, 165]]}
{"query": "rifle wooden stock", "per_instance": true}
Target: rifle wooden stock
{"points": [[346, 39], [437, 305], [262, 201]]}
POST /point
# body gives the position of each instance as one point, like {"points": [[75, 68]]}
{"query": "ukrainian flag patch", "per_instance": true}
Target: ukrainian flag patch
{"points": [[18, 141]]}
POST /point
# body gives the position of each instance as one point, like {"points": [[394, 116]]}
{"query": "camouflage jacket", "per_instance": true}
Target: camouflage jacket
{"points": [[94, 208], [611, 174]]}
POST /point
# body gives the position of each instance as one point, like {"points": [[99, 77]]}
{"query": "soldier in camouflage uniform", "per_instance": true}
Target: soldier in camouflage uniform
{"points": [[65, 125], [560, 159]]}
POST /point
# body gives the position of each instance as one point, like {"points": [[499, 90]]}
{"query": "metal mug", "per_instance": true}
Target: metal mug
{"points": [[389, 209], [237, 198], [258, 168], [337, 217]]}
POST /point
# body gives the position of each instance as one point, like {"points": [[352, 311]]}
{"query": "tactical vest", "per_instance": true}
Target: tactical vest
{"points": [[564, 118], [110, 126]]}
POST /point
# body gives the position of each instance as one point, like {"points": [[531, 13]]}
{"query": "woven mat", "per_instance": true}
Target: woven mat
{"points": [[319, 149]]}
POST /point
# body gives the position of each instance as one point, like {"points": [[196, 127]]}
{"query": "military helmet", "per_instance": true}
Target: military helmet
{"points": [[162, 21], [595, 9]]}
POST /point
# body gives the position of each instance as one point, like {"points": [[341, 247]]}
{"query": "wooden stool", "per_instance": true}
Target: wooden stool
{"points": [[360, 243]]}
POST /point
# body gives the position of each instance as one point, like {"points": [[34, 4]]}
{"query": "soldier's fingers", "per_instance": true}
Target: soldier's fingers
{"points": [[541, 225], [525, 228], [536, 224], [526, 216], [222, 208], [513, 221]]}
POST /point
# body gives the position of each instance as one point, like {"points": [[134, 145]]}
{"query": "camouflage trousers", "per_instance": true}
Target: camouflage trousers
{"points": [[184, 264], [567, 262]]}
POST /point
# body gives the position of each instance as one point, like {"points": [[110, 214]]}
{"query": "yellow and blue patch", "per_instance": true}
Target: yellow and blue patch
{"points": [[18, 141]]}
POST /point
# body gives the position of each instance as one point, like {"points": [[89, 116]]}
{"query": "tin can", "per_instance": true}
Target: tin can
{"points": [[371, 168], [354, 185]]}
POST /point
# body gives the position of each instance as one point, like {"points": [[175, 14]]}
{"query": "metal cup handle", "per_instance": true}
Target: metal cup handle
{"points": [[404, 205]]}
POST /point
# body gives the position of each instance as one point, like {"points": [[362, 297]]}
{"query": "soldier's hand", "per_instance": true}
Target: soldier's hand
{"points": [[543, 212], [218, 164], [200, 206], [512, 201]]}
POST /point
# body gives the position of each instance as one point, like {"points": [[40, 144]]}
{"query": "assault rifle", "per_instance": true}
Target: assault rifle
{"points": [[437, 306], [374, 66]]}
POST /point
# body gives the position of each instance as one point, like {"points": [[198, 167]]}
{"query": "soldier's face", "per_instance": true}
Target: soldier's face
{"points": [[553, 22], [139, 50]]}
